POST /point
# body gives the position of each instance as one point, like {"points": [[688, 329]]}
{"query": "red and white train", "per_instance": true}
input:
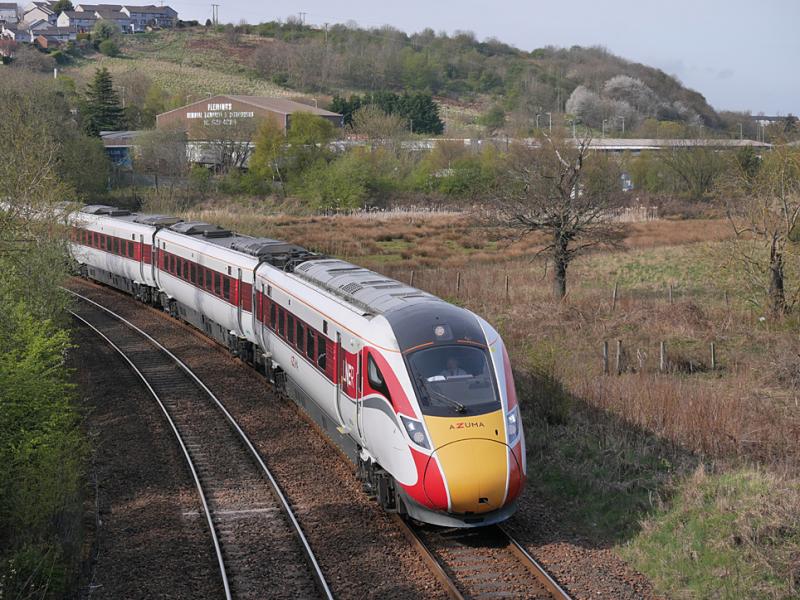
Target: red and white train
{"points": [[418, 392]]}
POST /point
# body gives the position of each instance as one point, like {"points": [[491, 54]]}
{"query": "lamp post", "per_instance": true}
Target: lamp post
{"points": [[537, 120], [550, 121]]}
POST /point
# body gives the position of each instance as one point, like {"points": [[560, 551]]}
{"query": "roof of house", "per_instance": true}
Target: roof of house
{"points": [[94, 7], [148, 9], [43, 7], [110, 15], [8, 5], [74, 14], [57, 31]]}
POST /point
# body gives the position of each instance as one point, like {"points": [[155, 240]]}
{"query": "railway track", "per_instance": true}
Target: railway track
{"points": [[259, 545], [482, 563]]}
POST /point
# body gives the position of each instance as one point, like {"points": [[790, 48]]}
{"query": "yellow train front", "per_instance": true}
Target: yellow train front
{"points": [[462, 419]]}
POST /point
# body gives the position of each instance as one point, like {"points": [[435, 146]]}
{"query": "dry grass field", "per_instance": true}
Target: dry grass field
{"points": [[690, 473]]}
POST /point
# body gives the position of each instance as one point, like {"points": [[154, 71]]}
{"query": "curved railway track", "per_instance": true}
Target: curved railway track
{"points": [[260, 547], [482, 563]]}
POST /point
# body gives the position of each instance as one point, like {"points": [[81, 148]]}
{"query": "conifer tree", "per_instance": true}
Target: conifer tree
{"points": [[102, 109]]}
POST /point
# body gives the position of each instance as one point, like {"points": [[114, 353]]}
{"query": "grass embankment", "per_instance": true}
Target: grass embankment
{"points": [[185, 64], [691, 473]]}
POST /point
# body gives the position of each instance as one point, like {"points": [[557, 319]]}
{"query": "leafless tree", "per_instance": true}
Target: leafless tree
{"points": [[763, 202], [229, 141], [376, 125], [695, 167], [559, 187], [162, 153]]}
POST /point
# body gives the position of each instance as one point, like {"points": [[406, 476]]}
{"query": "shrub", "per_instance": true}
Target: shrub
{"points": [[109, 48]]}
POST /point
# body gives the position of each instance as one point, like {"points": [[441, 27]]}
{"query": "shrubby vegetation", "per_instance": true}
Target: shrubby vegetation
{"points": [[42, 448]]}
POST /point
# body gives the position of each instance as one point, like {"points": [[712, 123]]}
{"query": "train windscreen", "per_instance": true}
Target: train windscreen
{"points": [[453, 380]]}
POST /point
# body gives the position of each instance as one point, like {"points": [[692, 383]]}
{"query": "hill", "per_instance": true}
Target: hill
{"points": [[470, 78]]}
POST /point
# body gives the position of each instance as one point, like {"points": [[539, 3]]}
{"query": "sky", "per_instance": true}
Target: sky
{"points": [[739, 55]]}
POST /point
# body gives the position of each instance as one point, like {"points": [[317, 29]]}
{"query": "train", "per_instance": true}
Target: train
{"points": [[417, 392]]}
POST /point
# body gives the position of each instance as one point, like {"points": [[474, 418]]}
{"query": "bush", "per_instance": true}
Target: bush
{"points": [[109, 48], [341, 184]]}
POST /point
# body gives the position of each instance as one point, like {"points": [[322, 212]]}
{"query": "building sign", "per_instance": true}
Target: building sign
{"points": [[220, 113]]}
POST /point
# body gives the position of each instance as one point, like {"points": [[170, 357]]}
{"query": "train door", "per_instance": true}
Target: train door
{"points": [[239, 302], [337, 357], [141, 258]]}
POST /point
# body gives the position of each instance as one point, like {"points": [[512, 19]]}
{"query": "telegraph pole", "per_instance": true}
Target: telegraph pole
{"points": [[215, 14], [302, 17]]}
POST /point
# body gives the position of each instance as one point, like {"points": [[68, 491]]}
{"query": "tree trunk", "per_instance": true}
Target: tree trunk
{"points": [[560, 264], [777, 294]]}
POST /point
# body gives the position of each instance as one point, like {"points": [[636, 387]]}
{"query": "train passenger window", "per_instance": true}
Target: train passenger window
{"points": [[299, 336], [193, 271], [217, 284], [185, 269], [321, 352], [208, 278], [130, 249], [95, 240], [310, 343], [280, 322], [226, 287], [290, 328], [273, 316]]}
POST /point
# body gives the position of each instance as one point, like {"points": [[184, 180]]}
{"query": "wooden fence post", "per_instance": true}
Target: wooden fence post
{"points": [[508, 293], [670, 292], [713, 357], [662, 360], [619, 357], [411, 283], [458, 283], [614, 297], [605, 357]]}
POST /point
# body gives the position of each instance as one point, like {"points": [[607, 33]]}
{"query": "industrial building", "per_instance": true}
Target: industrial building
{"points": [[217, 113]]}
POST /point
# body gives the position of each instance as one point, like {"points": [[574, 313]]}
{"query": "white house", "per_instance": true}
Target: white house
{"points": [[81, 21], [143, 17], [120, 18], [8, 13], [39, 10]]}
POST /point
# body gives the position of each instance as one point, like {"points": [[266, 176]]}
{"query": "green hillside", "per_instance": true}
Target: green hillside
{"points": [[471, 79]]}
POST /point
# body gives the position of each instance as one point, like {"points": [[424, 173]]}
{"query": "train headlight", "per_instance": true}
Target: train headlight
{"points": [[513, 425], [416, 432]]}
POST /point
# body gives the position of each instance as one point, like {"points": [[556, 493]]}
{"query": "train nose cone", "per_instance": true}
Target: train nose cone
{"points": [[475, 472]]}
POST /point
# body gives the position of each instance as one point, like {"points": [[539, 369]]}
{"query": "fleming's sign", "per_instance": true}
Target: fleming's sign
{"points": [[220, 114]]}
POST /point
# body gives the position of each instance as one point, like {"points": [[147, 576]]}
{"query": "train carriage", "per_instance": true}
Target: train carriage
{"points": [[418, 392]]}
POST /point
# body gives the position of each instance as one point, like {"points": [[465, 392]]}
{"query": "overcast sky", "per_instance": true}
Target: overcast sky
{"points": [[740, 55]]}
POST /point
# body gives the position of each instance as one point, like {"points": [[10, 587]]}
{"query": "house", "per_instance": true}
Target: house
{"points": [[120, 18], [59, 35], [81, 21], [95, 7], [39, 11], [8, 13], [143, 17], [44, 43]]}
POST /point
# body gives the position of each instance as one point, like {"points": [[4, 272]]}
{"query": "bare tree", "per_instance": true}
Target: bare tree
{"points": [[376, 125], [764, 210], [162, 153], [559, 187], [229, 141], [695, 167]]}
